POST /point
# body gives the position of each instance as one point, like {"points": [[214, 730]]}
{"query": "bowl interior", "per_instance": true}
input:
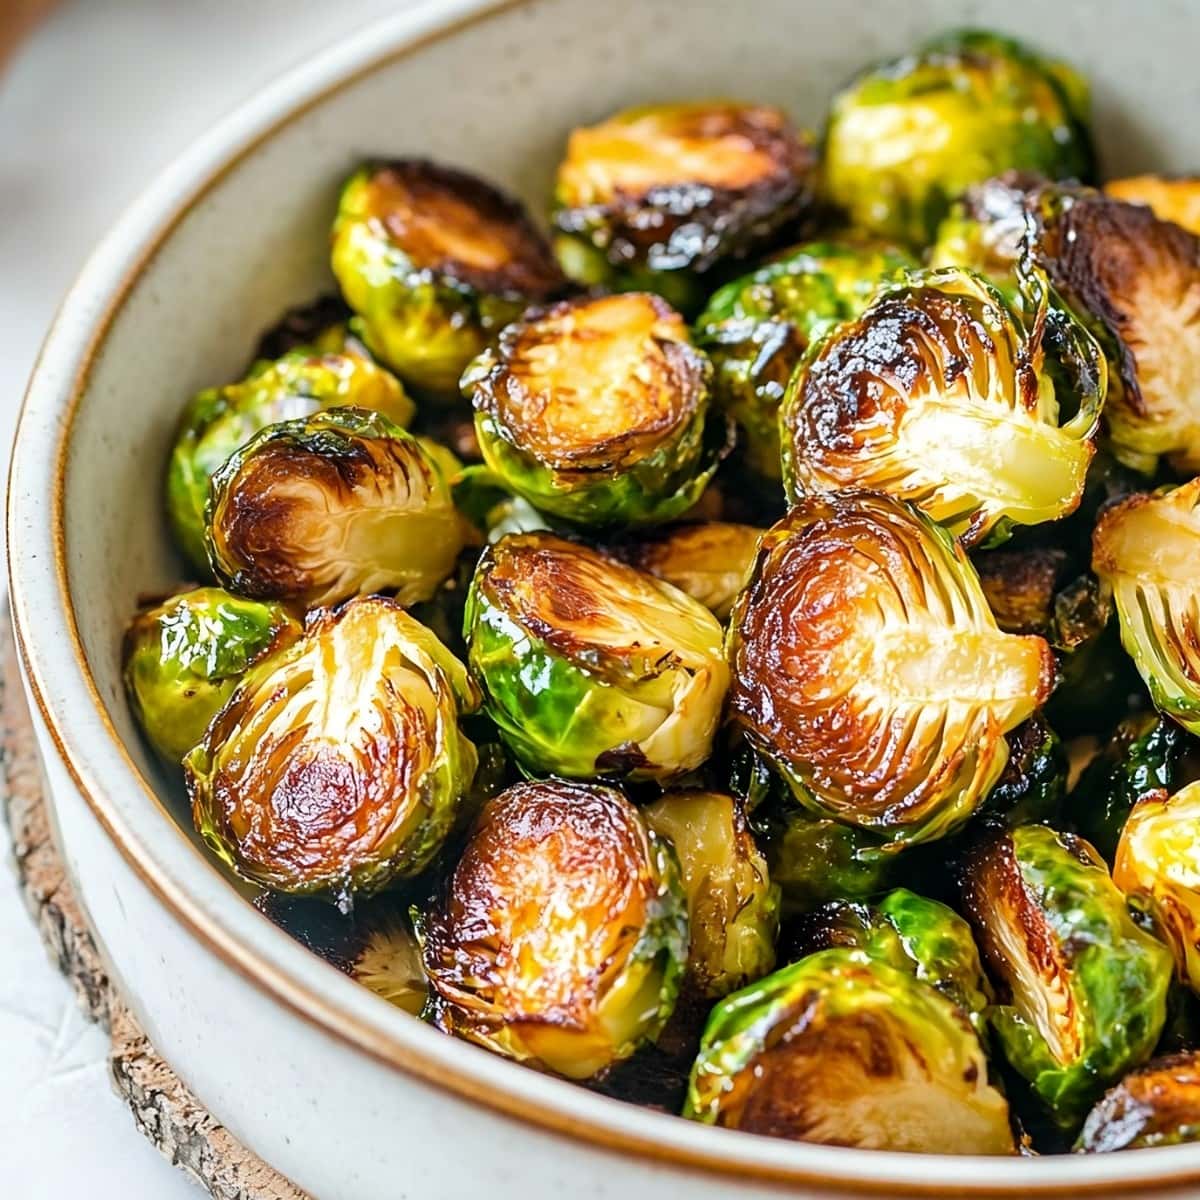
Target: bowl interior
{"points": [[496, 94]]}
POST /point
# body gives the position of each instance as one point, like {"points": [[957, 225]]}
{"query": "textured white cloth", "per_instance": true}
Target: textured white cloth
{"points": [[104, 94]]}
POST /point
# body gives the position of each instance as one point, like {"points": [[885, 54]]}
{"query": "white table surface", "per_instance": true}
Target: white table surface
{"points": [[103, 95]]}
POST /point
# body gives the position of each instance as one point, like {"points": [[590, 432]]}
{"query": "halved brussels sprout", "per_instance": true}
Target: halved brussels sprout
{"points": [[219, 421], [912, 933], [435, 261], [869, 669], [654, 196], [1034, 782], [388, 962], [596, 410], [562, 936], [591, 667], [1086, 988], [710, 561], [327, 507], [814, 859], [941, 361], [1139, 759], [907, 137], [756, 329], [1168, 199], [1139, 279], [733, 908], [184, 657], [1156, 1105], [1145, 549], [338, 765], [842, 1049], [1157, 866]]}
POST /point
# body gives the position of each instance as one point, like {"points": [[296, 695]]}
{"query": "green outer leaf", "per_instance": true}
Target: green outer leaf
{"points": [[1118, 977], [425, 327], [184, 657], [991, 86], [755, 329]]}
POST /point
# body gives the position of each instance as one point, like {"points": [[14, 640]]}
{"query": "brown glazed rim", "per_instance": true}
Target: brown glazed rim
{"points": [[718, 1152]]}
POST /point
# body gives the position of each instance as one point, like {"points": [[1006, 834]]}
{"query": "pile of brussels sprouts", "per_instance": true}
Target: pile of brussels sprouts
{"points": [[742, 653]]}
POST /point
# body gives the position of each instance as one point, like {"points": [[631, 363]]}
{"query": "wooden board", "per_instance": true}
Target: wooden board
{"points": [[162, 1108]]}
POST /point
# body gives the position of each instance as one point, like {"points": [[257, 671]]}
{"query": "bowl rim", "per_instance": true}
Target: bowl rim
{"points": [[189, 884]]}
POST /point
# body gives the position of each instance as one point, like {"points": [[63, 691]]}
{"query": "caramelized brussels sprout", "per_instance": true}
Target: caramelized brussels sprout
{"points": [[1156, 1105], [1034, 782], [843, 1049], [562, 936], [596, 410], [733, 908], [1086, 988], [868, 668], [1138, 278], [388, 962], [219, 421], [1176, 200], [709, 561], [184, 657], [653, 197], [338, 765], [323, 324], [813, 859], [909, 932], [940, 360], [590, 667], [435, 261], [323, 508], [986, 230], [756, 329], [1157, 866], [1140, 758], [1145, 549], [906, 137]]}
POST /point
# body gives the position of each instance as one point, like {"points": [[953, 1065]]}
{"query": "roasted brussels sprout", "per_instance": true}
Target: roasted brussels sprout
{"points": [[843, 1049], [709, 560], [1034, 782], [184, 657], [756, 329], [911, 933], [323, 508], [653, 197], [1145, 549], [323, 324], [1157, 866], [562, 936], [1156, 1105], [868, 668], [907, 137], [435, 261], [987, 230], [733, 907], [338, 765], [1086, 988], [1176, 200], [590, 667], [596, 410], [814, 859], [1139, 759], [941, 360], [1138, 278], [387, 961], [219, 421]]}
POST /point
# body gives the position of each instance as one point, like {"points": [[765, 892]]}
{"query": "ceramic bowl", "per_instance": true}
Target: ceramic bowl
{"points": [[344, 1094]]}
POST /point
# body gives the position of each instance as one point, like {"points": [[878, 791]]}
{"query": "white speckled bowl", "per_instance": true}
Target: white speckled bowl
{"points": [[344, 1094]]}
